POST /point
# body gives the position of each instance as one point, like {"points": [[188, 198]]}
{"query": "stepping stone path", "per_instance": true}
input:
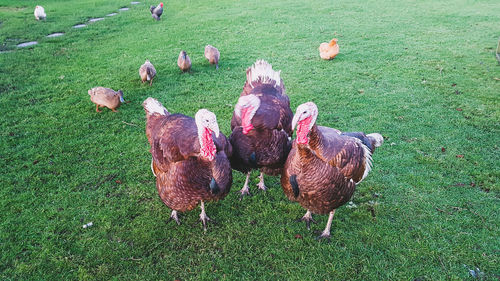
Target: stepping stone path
{"points": [[95, 19], [57, 34], [26, 44]]}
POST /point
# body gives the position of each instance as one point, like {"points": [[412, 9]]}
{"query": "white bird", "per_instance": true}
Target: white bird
{"points": [[40, 13]]}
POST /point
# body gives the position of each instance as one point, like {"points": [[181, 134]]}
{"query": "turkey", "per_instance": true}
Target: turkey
{"points": [[261, 125], [190, 158], [39, 13], [147, 72], [324, 166], [156, 11]]}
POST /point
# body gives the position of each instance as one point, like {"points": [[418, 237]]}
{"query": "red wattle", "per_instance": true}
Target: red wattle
{"points": [[247, 128], [208, 148], [246, 121], [303, 130]]}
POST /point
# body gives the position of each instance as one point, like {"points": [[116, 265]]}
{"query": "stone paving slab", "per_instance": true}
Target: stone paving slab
{"points": [[57, 34], [27, 44], [95, 19]]}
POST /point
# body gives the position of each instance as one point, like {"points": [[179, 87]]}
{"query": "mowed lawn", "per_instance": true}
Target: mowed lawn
{"points": [[421, 73]]}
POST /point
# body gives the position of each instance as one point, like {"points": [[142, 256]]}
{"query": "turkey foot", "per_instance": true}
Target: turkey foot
{"points": [[204, 218], [324, 235], [308, 219], [326, 232], [245, 191], [174, 217], [261, 184]]}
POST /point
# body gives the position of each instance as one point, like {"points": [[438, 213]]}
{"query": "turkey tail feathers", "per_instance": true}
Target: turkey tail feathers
{"points": [[152, 106], [261, 72], [379, 140]]}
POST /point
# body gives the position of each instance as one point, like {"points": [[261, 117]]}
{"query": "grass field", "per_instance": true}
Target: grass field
{"points": [[422, 73]]}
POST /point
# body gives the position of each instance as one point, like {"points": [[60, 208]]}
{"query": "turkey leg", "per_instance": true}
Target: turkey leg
{"points": [[173, 216], [261, 184], [308, 219], [203, 217], [245, 191], [326, 232]]}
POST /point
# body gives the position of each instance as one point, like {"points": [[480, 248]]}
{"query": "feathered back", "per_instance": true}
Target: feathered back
{"points": [[262, 73], [106, 97], [155, 112], [212, 54]]}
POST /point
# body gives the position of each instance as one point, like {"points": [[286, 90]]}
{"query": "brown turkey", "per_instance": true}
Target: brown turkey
{"points": [[190, 158], [261, 125], [325, 165]]}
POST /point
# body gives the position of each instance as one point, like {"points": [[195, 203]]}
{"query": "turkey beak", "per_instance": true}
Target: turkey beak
{"points": [[295, 120], [215, 128], [237, 110]]}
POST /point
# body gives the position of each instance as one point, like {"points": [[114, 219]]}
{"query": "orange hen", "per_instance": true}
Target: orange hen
{"points": [[328, 51]]}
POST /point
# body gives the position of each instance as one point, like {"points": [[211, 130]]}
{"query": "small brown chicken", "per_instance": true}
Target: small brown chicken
{"points": [[212, 55], [106, 97], [184, 62], [147, 72], [328, 51]]}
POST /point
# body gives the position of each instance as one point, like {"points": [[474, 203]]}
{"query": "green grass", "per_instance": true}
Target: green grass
{"points": [[419, 72]]}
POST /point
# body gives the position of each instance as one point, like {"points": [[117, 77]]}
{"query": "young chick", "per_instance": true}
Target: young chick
{"points": [[40, 13], [184, 62], [328, 51], [147, 72], [212, 55], [106, 97]]}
